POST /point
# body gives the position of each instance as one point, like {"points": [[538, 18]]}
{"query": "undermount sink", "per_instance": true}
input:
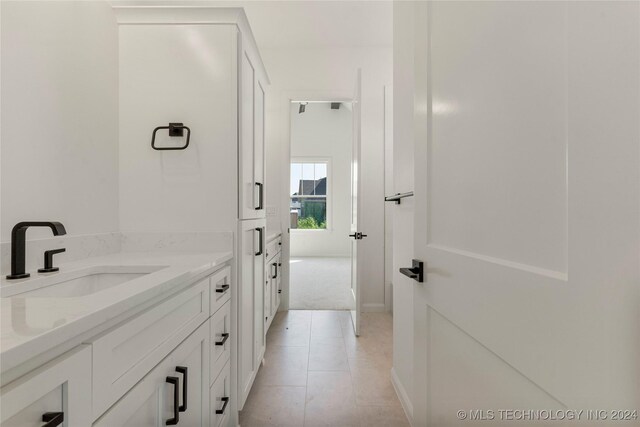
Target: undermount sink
{"points": [[78, 283]]}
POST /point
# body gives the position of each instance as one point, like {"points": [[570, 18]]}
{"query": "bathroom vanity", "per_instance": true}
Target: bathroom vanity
{"points": [[128, 339]]}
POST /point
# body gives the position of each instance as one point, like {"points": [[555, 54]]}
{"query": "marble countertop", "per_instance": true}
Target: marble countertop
{"points": [[33, 324]]}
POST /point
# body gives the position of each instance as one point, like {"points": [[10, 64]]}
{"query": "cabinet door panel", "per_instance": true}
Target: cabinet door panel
{"points": [[220, 343], [259, 147], [221, 389], [62, 385], [123, 356], [250, 305], [247, 150], [150, 402]]}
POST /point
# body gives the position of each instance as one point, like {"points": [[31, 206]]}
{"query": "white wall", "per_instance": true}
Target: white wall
{"points": [[59, 116], [330, 73], [403, 124], [321, 132]]}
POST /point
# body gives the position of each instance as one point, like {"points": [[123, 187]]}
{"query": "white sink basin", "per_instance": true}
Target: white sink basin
{"points": [[77, 283]]}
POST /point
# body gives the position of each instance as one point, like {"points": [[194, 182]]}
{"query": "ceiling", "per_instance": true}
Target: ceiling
{"points": [[319, 23]]}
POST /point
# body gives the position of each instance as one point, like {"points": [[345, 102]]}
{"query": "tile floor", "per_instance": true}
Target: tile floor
{"points": [[317, 373]]}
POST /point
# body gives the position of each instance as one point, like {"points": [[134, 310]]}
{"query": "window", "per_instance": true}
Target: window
{"points": [[309, 194]]}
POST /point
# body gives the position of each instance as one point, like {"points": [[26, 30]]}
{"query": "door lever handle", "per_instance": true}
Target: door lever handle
{"points": [[416, 272]]}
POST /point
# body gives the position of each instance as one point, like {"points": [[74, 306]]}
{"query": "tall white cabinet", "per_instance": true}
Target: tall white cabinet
{"points": [[200, 67]]}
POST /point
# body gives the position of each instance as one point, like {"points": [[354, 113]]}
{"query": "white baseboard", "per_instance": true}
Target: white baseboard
{"points": [[403, 396], [368, 308]]}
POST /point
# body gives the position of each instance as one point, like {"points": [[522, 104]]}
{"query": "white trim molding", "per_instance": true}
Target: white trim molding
{"points": [[402, 396]]}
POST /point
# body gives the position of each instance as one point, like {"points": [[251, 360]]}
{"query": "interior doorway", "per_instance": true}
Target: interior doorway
{"points": [[320, 205]]}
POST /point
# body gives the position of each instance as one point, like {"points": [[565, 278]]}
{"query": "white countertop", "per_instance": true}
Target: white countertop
{"points": [[31, 325]]}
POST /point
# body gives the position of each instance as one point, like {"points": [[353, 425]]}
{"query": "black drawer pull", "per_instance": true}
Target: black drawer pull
{"points": [[260, 196], [52, 419], [224, 406], [261, 241], [225, 337], [222, 289], [185, 372], [176, 401]]}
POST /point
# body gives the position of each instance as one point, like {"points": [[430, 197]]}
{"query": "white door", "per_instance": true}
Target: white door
{"points": [[527, 205], [356, 234]]}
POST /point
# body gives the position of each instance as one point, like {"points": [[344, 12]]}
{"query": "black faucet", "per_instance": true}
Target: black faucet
{"points": [[18, 235]]}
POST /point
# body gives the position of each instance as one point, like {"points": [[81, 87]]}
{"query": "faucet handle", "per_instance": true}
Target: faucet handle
{"points": [[48, 260]]}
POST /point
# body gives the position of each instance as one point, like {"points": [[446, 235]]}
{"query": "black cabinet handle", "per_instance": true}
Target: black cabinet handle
{"points": [[222, 289], [185, 372], [176, 401], [225, 337], [261, 196], [52, 419], [224, 406], [261, 233], [275, 264]]}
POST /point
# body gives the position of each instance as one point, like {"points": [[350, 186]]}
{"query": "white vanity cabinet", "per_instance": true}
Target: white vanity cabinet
{"points": [[273, 280], [251, 327], [158, 363], [198, 66], [123, 355], [181, 377], [58, 392], [252, 143]]}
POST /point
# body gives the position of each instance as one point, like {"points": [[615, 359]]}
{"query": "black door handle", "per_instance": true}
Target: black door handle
{"points": [[275, 264], [176, 401], [222, 289], [260, 196], [185, 372], [224, 406], [225, 337], [261, 242], [52, 419], [416, 272]]}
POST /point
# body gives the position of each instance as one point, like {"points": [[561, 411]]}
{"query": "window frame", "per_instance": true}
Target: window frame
{"points": [[328, 196]]}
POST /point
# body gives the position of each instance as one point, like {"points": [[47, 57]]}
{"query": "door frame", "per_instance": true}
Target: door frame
{"points": [[284, 107]]}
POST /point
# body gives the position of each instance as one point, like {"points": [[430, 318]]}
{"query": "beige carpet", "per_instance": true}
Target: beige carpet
{"points": [[320, 284]]}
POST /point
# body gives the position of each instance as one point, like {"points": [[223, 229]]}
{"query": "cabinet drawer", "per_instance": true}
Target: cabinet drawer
{"points": [[220, 339], [220, 289], [121, 357], [220, 395], [273, 247], [62, 386]]}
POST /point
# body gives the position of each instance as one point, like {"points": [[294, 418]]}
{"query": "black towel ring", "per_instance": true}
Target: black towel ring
{"points": [[175, 130]]}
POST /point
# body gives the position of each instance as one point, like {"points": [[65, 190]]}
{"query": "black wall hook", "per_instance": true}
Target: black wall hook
{"points": [[175, 130]]}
